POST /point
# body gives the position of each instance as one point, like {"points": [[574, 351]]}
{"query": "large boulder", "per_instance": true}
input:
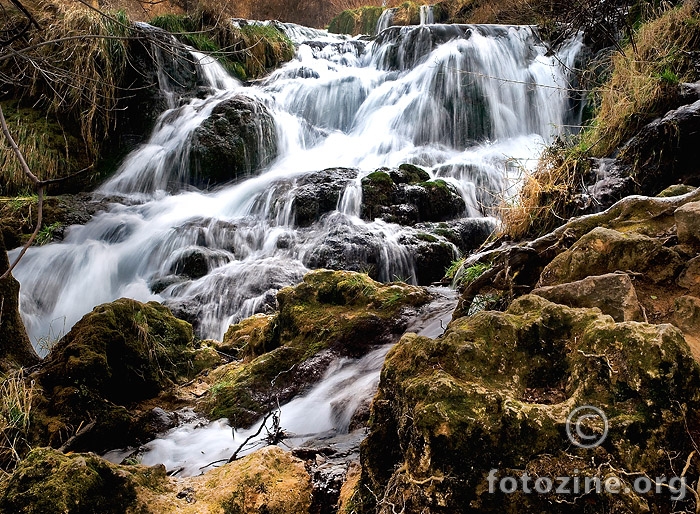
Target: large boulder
{"points": [[495, 392], [613, 293], [116, 356], [604, 250], [688, 223], [236, 140], [330, 314]]}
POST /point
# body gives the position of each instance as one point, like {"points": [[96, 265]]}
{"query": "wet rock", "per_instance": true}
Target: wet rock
{"points": [[328, 314], [604, 250], [665, 151], [120, 353], [613, 294], [237, 140], [408, 200], [194, 263], [318, 193], [688, 223], [433, 256], [496, 391]]}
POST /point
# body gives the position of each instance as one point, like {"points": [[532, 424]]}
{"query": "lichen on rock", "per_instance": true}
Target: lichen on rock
{"points": [[330, 313], [494, 393]]}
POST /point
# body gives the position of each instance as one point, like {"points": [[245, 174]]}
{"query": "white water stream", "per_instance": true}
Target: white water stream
{"points": [[471, 104]]}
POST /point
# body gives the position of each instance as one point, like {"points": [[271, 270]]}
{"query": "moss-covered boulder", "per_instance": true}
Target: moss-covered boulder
{"points": [[49, 482], [495, 392], [119, 354], [406, 196], [236, 140], [604, 250], [330, 313]]}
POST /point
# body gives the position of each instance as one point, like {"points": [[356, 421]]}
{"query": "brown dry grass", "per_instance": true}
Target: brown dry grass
{"points": [[546, 198], [16, 396], [644, 83]]}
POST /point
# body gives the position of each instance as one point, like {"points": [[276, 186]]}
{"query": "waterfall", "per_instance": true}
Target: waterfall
{"points": [[385, 20], [472, 105], [326, 409], [426, 15]]}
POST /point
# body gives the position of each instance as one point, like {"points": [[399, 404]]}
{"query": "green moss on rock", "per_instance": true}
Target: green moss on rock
{"points": [[494, 393], [49, 482], [329, 313], [120, 353]]}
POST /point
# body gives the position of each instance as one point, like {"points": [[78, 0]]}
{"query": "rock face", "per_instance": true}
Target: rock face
{"points": [[494, 393], [613, 294], [605, 250], [119, 354], [665, 151], [236, 140], [328, 314]]}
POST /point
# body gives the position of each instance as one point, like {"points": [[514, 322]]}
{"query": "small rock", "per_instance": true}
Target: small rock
{"points": [[613, 294]]}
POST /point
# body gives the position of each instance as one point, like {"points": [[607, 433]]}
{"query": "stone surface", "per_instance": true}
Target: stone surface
{"points": [[688, 223], [235, 141], [690, 276], [604, 250], [495, 392], [613, 294]]}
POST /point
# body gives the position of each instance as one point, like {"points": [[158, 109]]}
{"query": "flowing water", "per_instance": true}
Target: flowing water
{"points": [[324, 411], [473, 105], [426, 15]]}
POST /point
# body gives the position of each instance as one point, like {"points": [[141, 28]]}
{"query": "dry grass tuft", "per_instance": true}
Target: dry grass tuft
{"points": [[645, 78], [16, 395], [548, 196]]}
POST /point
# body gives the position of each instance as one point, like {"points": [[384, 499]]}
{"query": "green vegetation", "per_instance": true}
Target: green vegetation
{"points": [[362, 20], [247, 51], [16, 395]]}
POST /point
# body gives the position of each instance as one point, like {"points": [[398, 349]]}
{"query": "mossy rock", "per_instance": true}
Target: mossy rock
{"points": [[406, 196], [118, 354], [495, 392], [49, 482], [362, 20], [604, 250], [330, 313]]}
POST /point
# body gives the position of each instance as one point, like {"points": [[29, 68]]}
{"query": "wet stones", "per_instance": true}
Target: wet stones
{"points": [[235, 141]]}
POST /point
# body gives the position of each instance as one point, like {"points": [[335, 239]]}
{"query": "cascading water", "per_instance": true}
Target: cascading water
{"points": [[426, 15], [325, 410], [470, 104], [385, 20]]}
